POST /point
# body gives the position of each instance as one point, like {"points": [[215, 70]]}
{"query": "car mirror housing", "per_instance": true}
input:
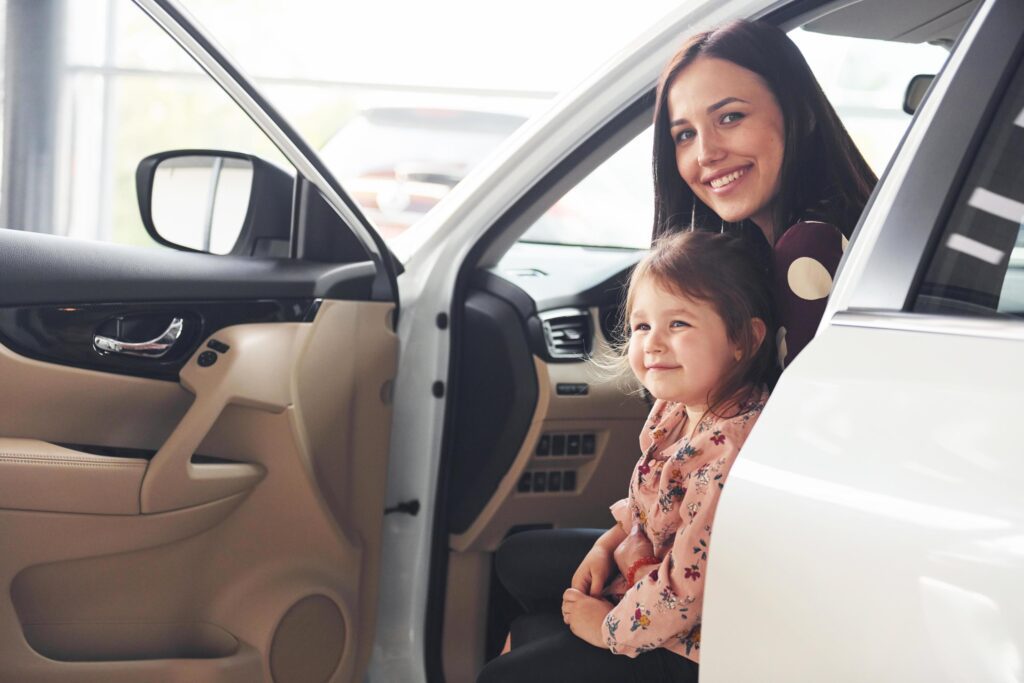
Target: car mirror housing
{"points": [[215, 202], [916, 90]]}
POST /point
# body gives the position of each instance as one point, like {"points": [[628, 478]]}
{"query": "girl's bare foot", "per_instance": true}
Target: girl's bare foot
{"points": [[508, 644]]}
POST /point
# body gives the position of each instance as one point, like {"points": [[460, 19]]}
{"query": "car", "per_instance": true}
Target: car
{"points": [[293, 458]]}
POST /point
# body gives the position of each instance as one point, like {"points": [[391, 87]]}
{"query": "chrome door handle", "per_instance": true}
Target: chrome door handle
{"points": [[154, 348]]}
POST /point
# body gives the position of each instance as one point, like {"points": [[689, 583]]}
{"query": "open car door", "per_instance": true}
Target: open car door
{"points": [[193, 447]]}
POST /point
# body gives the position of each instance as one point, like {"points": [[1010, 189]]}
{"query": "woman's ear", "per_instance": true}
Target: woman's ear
{"points": [[758, 330]]}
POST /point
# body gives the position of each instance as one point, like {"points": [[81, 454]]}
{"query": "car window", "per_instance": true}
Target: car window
{"points": [[978, 265], [864, 79], [90, 89]]}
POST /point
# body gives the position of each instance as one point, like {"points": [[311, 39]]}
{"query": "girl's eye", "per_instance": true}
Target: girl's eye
{"points": [[639, 327], [733, 117], [680, 323]]}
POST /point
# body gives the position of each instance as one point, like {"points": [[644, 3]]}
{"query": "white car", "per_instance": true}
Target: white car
{"points": [[192, 446]]}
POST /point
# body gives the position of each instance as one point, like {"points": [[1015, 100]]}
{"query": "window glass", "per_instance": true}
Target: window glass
{"points": [[978, 266], [611, 207], [866, 81], [90, 88]]}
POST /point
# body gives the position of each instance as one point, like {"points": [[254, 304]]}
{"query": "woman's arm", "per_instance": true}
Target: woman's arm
{"points": [[805, 261]]}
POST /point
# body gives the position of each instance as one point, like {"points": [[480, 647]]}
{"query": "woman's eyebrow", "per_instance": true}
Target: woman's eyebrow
{"points": [[712, 109], [722, 102]]}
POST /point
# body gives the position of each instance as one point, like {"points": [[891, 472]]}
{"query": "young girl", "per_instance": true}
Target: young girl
{"points": [[697, 312]]}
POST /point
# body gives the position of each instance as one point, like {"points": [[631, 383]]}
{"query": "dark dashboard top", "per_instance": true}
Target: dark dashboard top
{"points": [[559, 276]]}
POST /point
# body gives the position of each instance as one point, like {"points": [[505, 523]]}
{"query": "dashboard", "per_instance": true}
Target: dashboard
{"points": [[542, 437]]}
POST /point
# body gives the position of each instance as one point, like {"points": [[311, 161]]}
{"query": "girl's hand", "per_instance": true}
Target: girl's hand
{"points": [[636, 547], [594, 571], [585, 615]]}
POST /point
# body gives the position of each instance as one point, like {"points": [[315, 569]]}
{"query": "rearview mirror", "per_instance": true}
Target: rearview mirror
{"points": [[916, 90], [216, 202]]}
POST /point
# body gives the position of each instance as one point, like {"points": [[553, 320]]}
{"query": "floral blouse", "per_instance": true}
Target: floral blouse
{"points": [[673, 494]]}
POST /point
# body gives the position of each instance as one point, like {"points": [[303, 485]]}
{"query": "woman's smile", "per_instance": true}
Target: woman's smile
{"points": [[722, 182]]}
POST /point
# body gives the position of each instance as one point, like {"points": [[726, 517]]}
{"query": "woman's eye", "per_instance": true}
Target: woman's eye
{"points": [[684, 135], [732, 117]]}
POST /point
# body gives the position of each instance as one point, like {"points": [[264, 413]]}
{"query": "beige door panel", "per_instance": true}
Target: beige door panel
{"points": [[36, 475], [227, 590]]}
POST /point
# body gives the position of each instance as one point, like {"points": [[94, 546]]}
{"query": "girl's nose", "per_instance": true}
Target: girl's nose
{"points": [[653, 342]]}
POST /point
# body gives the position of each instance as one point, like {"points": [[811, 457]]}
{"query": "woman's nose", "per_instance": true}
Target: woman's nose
{"points": [[709, 149]]}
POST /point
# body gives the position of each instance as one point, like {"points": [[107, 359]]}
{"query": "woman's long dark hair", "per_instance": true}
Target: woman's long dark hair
{"points": [[823, 175]]}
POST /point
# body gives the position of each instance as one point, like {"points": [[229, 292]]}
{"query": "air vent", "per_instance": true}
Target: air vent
{"points": [[566, 332]]}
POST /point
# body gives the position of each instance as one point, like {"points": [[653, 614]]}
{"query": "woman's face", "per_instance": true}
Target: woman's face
{"points": [[729, 138]]}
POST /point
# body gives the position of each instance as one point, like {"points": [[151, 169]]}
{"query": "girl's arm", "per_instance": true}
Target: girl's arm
{"points": [[665, 604], [596, 567]]}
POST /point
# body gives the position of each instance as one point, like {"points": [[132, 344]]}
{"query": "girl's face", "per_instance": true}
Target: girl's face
{"points": [[678, 346], [729, 137]]}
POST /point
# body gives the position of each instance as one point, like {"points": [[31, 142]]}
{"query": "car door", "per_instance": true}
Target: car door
{"points": [[193, 447]]}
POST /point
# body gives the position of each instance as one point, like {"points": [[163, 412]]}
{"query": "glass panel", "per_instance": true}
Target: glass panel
{"points": [[978, 267], [92, 87]]}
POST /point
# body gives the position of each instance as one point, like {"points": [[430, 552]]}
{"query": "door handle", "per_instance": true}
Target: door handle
{"points": [[154, 348]]}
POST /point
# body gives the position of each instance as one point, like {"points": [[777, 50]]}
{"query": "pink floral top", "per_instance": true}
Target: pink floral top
{"points": [[672, 499]]}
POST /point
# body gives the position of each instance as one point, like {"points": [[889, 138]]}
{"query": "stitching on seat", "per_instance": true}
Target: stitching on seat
{"points": [[60, 461]]}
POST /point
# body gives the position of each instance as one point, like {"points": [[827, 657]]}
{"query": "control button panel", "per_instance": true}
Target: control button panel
{"points": [[547, 481], [566, 445]]}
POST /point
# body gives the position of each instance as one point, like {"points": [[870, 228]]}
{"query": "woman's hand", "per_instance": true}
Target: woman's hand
{"points": [[594, 571], [635, 547], [585, 615]]}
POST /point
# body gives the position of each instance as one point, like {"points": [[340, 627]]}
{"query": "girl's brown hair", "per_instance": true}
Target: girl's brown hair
{"points": [[723, 271], [823, 175]]}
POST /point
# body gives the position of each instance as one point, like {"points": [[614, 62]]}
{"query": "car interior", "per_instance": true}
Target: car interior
{"points": [[537, 435]]}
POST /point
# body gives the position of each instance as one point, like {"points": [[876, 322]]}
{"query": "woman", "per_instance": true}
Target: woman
{"points": [[744, 142]]}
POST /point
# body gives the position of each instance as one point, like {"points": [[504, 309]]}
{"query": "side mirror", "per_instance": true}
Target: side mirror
{"points": [[215, 202], [916, 90]]}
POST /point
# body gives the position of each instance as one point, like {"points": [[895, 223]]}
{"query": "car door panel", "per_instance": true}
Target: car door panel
{"points": [[219, 526]]}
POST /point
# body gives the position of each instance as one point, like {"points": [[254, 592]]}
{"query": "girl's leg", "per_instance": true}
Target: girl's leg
{"points": [[564, 658], [537, 566]]}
